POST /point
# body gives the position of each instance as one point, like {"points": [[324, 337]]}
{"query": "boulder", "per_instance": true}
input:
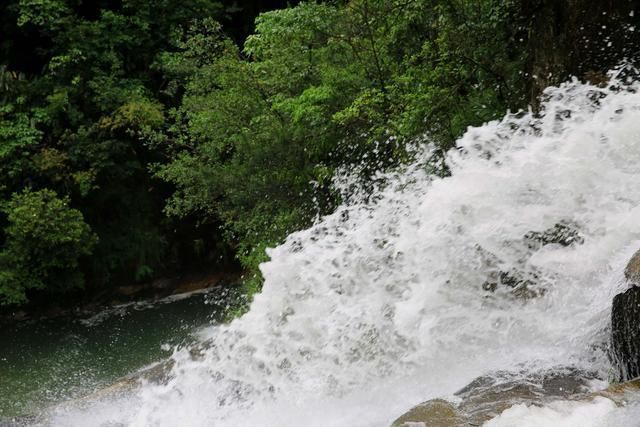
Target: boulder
{"points": [[625, 334], [434, 413], [487, 396], [621, 393], [625, 325], [632, 271], [158, 373]]}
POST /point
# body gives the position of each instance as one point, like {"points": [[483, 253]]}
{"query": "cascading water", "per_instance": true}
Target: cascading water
{"points": [[381, 305]]}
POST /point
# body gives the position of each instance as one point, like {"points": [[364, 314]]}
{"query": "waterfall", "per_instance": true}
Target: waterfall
{"points": [[413, 291]]}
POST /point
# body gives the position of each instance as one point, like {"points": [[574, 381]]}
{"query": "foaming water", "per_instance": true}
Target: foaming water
{"points": [[599, 412], [381, 305]]}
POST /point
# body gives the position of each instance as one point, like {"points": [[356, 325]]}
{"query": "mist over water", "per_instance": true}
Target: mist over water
{"points": [[381, 305]]}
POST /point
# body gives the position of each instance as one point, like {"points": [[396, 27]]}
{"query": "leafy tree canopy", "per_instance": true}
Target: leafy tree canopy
{"points": [[44, 241]]}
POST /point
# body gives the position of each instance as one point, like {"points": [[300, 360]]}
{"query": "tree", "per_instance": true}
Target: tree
{"points": [[261, 131], [45, 239], [75, 114]]}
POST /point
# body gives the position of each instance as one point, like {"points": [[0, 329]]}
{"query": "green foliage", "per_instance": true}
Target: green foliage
{"points": [[163, 131], [244, 154], [260, 132], [43, 13], [18, 137], [77, 115], [467, 73], [44, 242]]}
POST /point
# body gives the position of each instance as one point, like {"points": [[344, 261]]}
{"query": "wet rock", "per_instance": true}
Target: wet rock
{"points": [[625, 325], [434, 413], [198, 350], [158, 373], [521, 286], [564, 233], [522, 281], [488, 396], [632, 271], [196, 285], [622, 393], [625, 333]]}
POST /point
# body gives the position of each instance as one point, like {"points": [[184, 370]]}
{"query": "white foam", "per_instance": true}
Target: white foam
{"points": [[599, 412]]}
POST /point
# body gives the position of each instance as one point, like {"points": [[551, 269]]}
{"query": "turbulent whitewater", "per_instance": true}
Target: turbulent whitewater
{"points": [[381, 305]]}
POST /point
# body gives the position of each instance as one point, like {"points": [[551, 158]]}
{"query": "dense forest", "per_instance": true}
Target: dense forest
{"points": [[140, 138]]}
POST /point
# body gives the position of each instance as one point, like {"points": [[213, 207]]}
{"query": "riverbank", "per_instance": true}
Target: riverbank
{"points": [[86, 303]]}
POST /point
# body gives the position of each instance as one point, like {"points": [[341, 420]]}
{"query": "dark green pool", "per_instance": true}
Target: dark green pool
{"points": [[48, 361]]}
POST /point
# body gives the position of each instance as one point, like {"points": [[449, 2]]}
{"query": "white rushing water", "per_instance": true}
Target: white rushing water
{"points": [[600, 412], [380, 305]]}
